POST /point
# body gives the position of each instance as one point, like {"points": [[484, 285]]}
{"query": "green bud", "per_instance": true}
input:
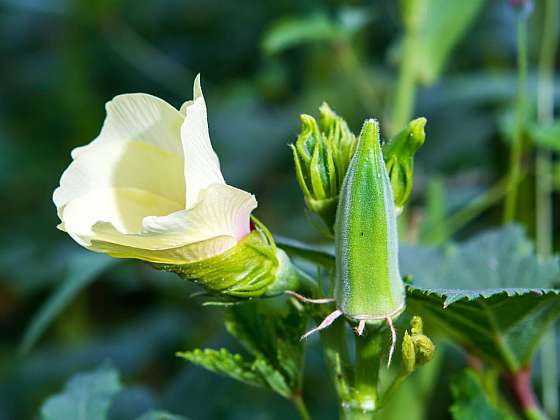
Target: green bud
{"points": [[416, 325], [399, 159], [424, 348], [408, 353], [253, 267], [368, 283], [417, 348], [322, 153]]}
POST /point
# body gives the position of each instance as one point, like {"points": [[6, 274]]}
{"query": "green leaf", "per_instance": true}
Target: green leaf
{"points": [[83, 269], [87, 396], [225, 363], [470, 400], [441, 30], [434, 229], [491, 294], [291, 32], [270, 331], [317, 254]]}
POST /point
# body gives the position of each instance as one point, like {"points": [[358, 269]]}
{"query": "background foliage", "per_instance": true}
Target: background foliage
{"points": [[262, 64]]}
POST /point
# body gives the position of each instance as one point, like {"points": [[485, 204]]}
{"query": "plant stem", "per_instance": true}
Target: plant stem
{"points": [[522, 388], [543, 192], [300, 407], [366, 372], [517, 146], [461, 217], [335, 350], [405, 93], [358, 75]]}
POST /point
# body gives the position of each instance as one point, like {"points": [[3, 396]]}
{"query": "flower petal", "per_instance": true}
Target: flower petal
{"points": [[180, 255], [197, 93], [140, 117], [113, 176], [223, 212], [202, 167], [140, 137]]}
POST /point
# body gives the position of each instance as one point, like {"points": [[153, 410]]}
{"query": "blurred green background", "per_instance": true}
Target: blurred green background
{"points": [[262, 64]]}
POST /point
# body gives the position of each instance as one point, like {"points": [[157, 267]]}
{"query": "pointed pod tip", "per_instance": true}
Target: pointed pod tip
{"points": [[369, 135]]}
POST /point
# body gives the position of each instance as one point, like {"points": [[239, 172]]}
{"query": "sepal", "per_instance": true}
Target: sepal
{"points": [[252, 268]]}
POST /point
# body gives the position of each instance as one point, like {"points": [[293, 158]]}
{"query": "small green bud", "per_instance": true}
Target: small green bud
{"points": [[416, 325], [322, 153], [424, 348], [417, 348], [252, 268], [408, 353], [399, 159]]}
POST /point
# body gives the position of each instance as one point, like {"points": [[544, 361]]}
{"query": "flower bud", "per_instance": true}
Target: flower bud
{"points": [[416, 325], [417, 348], [424, 348], [252, 268], [408, 353], [399, 159], [322, 153]]}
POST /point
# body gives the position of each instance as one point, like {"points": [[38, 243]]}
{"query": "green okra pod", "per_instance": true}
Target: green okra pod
{"points": [[368, 283]]}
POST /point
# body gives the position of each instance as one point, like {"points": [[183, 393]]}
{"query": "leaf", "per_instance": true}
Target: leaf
{"points": [[491, 294], [160, 415], [83, 269], [434, 229], [442, 29], [291, 32], [270, 331], [318, 254], [225, 363], [470, 400], [87, 396]]}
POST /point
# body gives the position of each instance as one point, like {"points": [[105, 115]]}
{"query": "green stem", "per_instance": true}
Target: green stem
{"points": [[390, 391], [405, 93], [356, 73], [543, 192], [366, 372], [300, 407], [517, 146], [335, 350], [476, 207]]}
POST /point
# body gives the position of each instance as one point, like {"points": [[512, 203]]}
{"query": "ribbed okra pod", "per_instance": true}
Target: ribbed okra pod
{"points": [[368, 283]]}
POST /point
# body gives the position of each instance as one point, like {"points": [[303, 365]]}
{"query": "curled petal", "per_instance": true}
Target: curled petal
{"points": [[202, 167]]}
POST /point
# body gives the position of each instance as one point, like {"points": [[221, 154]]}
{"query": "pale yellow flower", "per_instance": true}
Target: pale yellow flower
{"points": [[150, 186]]}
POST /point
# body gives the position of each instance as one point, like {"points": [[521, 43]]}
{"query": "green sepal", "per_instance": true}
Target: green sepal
{"points": [[399, 159], [252, 268]]}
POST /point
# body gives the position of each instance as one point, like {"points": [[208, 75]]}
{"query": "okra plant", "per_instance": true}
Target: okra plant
{"points": [[380, 307]]}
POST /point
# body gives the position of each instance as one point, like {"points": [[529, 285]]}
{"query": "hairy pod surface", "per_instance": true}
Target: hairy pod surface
{"points": [[368, 283]]}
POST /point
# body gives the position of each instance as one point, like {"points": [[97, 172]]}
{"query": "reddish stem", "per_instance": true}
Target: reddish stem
{"points": [[522, 388]]}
